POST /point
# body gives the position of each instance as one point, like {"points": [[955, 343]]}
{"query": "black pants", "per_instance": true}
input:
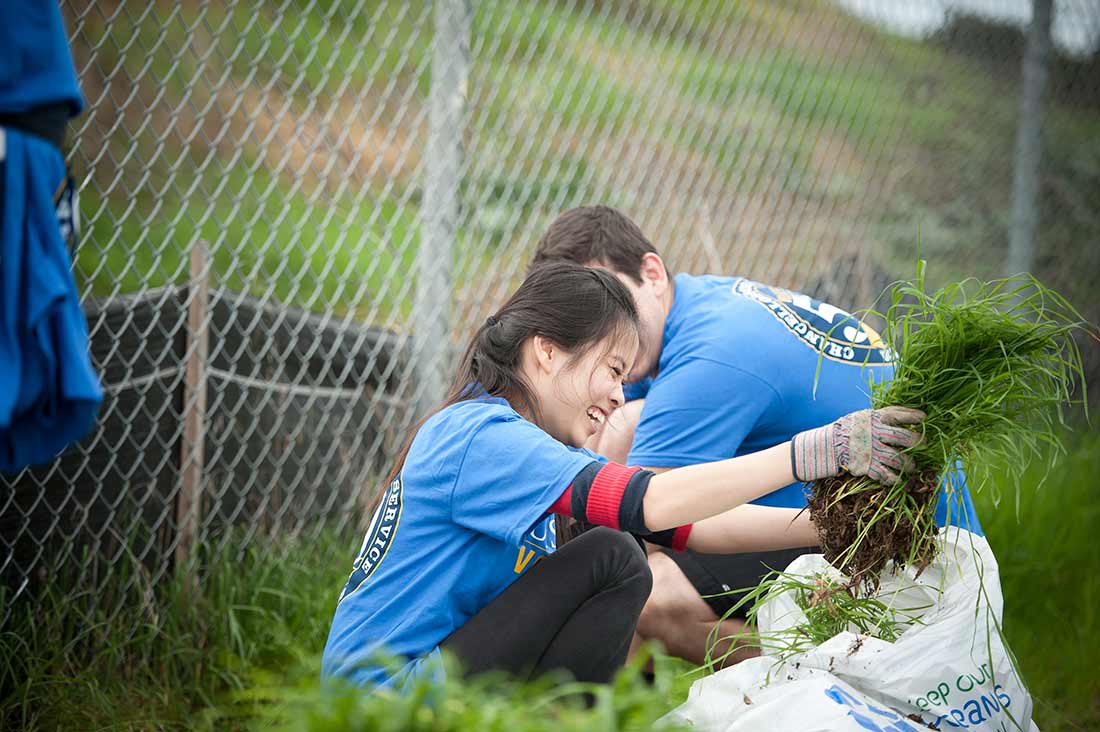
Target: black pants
{"points": [[574, 611], [724, 580]]}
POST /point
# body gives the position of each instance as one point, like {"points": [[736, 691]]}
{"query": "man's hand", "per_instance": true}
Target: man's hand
{"points": [[615, 437]]}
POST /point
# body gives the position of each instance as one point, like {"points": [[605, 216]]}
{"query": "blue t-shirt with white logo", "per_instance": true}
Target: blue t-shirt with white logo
{"points": [[737, 373], [466, 518]]}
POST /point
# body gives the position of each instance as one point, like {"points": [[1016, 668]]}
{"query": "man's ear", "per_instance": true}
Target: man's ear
{"points": [[654, 272]]}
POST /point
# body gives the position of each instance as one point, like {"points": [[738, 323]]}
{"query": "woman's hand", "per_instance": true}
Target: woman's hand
{"points": [[868, 442]]}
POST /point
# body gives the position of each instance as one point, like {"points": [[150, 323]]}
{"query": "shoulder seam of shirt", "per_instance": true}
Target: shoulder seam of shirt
{"points": [[677, 461]]}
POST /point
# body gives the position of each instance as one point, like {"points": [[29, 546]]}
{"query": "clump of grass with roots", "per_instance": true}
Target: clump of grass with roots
{"points": [[993, 365]]}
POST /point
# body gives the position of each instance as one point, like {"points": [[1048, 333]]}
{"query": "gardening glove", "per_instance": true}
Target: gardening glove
{"points": [[863, 443]]}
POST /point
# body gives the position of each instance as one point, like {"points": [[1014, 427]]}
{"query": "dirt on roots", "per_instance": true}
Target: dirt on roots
{"points": [[860, 535]]}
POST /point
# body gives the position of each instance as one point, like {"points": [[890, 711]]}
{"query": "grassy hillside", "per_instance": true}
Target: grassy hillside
{"points": [[783, 141]]}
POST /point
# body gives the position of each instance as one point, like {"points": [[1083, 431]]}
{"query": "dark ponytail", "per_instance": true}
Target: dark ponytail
{"points": [[572, 306]]}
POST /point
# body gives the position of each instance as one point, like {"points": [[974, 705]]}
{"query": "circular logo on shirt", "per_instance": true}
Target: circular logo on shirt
{"points": [[830, 331]]}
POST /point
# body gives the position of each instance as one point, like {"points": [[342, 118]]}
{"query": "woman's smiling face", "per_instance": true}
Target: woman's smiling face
{"points": [[583, 389]]}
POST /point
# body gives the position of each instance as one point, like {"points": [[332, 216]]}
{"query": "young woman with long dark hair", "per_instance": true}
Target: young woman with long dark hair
{"points": [[461, 553]]}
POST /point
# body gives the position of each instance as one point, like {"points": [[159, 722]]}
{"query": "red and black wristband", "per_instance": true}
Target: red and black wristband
{"points": [[611, 495]]}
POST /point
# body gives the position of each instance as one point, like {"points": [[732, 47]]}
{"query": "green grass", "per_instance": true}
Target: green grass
{"points": [[238, 647], [176, 649], [1049, 561], [830, 606], [489, 703], [993, 366], [241, 651], [263, 238]]}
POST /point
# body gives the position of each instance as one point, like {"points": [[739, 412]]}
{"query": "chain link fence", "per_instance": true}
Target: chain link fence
{"points": [[295, 211]]}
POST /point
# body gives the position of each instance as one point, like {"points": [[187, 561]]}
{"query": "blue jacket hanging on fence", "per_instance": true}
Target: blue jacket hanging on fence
{"points": [[36, 66], [49, 392]]}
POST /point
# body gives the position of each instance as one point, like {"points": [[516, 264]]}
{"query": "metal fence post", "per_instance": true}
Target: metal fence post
{"points": [[1029, 149], [439, 206]]}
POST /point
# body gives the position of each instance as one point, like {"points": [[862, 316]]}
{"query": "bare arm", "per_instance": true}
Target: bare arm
{"points": [[753, 529], [750, 528], [695, 492], [868, 442]]}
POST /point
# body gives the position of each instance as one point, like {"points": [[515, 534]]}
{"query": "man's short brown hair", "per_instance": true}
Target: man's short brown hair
{"points": [[595, 234]]}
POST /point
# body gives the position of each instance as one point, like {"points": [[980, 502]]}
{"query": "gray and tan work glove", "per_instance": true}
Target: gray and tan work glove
{"points": [[863, 443]]}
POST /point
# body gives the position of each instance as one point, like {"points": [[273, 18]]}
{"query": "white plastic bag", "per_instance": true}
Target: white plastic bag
{"points": [[951, 670], [741, 699]]}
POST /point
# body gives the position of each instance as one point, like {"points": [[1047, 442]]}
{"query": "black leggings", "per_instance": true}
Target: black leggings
{"points": [[574, 611]]}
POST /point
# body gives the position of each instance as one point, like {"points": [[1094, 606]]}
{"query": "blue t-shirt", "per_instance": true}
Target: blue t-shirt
{"points": [[49, 390], [36, 66], [466, 517], [737, 374]]}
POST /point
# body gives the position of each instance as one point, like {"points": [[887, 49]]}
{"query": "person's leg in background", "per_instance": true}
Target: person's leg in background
{"points": [[691, 592]]}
